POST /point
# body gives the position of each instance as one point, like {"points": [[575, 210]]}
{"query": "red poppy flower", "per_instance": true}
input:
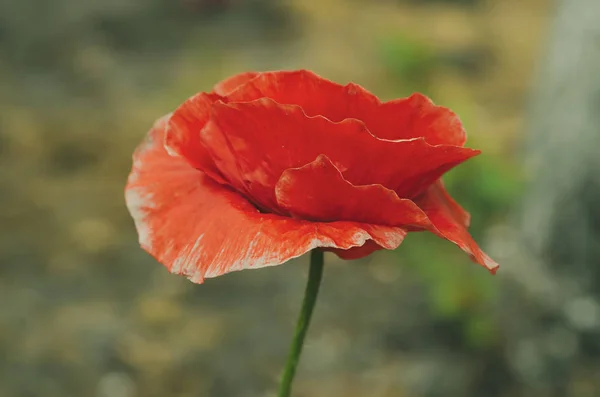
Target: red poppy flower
{"points": [[271, 165]]}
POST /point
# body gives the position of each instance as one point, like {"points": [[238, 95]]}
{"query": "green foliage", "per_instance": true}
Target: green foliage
{"points": [[407, 61]]}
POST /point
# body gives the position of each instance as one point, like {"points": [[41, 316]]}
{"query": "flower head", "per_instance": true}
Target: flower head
{"points": [[271, 165]]}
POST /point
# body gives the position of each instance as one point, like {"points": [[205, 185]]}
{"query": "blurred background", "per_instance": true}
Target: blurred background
{"points": [[85, 312]]}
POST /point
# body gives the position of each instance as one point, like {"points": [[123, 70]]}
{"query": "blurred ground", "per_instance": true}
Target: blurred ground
{"points": [[86, 313]]}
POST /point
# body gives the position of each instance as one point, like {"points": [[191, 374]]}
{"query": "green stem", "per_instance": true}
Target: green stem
{"points": [[308, 304]]}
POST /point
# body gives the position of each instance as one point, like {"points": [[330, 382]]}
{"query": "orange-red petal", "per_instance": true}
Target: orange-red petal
{"points": [[451, 224], [319, 192], [412, 117], [253, 143], [458, 212], [230, 84], [357, 252], [183, 133], [200, 229]]}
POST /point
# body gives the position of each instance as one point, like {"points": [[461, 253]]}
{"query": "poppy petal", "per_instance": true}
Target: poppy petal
{"points": [[458, 212], [319, 192], [228, 85], [200, 229], [413, 117], [450, 224], [417, 116], [264, 138], [183, 134], [358, 252]]}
